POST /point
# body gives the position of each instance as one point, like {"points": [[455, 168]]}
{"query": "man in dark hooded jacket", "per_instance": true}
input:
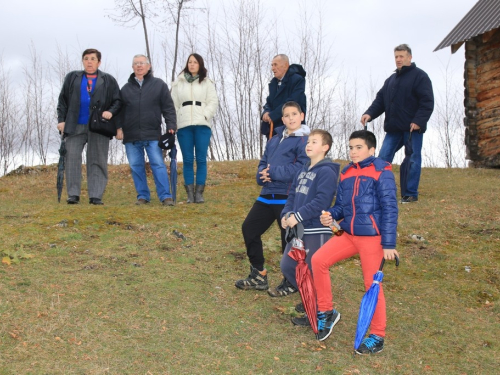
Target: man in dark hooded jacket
{"points": [[145, 99], [407, 101], [288, 84]]}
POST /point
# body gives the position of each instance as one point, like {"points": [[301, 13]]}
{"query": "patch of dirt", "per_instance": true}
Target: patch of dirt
{"points": [[237, 256], [421, 250]]}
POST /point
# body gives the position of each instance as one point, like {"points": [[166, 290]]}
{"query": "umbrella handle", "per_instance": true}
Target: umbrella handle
{"points": [[383, 262]]}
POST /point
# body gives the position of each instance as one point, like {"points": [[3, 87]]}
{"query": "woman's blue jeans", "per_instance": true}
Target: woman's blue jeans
{"points": [[392, 143], [135, 155], [194, 141]]}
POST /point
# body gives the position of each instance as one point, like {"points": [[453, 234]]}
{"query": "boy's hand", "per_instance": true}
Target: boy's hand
{"points": [[390, 254], [264, 174], [292, 221], [326, 219], [284, 224]]}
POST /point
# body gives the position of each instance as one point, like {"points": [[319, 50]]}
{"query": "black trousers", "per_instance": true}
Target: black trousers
{"points": [[258, 221]]}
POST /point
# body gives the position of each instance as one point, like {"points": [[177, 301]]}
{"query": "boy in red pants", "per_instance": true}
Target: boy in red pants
{"points": [[367, 205]]}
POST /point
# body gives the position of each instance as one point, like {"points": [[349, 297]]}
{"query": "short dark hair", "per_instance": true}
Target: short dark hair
{"points": [[202, 72], [290, 104], [403, 47], [90, 51], [325, 137], [367, 136]]}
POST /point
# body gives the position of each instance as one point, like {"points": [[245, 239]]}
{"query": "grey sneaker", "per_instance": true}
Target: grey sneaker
{"points": [[326, 322], [255, 280], [371, 345], [282, 290], [300, 308], [409, 199], [301, 322], [141, 201], [168, 202]]}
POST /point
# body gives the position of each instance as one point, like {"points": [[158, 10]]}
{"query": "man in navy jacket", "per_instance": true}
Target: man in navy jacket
{"points": [[288, 84], [408, 101]]}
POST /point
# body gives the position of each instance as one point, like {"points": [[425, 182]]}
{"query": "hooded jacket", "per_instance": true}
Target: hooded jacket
{"points": [[292, 88], [366, 201], [285, 156], [106, 96], [312, 191], [143, 107], [406, 98], [204, 93]]}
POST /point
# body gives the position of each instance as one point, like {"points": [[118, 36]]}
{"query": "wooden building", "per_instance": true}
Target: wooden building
{"points": [[479, 30]]}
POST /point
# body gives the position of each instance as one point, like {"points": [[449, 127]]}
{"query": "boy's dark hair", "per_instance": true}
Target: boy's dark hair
{"points": [[90, 51], [202, 72], [367, 136], [290, 104], [325, 137]]}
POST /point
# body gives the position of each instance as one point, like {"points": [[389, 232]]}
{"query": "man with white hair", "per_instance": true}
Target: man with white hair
{"points": [[288, 85], [145, 99]]}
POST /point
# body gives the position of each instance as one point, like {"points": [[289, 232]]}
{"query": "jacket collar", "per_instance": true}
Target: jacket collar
{"points": [[406, 69]]}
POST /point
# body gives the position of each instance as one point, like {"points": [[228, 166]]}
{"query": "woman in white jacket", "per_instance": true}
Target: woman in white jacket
{"points": [[195, 102]]}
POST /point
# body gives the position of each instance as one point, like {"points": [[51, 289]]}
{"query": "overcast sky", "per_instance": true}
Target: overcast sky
{"points": [[364, 32]]}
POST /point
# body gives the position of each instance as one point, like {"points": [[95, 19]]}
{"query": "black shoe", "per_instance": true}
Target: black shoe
{"points": [[409, 199], [300, 308], [301, 322], [73, 199], [282, 290], [326, 322], [371, 345], [96, 201], [255, 280]]}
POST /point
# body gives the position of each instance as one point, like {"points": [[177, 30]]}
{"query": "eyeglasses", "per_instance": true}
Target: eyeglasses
{"points": [[90, 58], [140, 63]]}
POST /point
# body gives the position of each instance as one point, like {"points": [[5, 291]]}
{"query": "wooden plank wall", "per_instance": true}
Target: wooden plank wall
{"points": [[482, 100]]}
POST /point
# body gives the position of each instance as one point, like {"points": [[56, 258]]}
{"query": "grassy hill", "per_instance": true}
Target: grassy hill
{"points": [[113, 290]]}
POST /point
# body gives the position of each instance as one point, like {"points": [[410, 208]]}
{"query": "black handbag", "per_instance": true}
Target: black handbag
{"points": [[98, 124]]}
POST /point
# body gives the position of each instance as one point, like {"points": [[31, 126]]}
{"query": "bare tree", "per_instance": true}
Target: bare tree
{"points": [[8, 115], [133, 12]]}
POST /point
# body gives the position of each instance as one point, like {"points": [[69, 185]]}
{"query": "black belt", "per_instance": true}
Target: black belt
{"points": [[191, 103]]}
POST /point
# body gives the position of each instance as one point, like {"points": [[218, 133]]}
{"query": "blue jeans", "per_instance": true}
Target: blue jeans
{"points": [[194, 141], [135, 155], [392, 143]]}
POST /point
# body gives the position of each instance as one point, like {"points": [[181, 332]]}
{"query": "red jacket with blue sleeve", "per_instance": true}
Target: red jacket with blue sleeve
{"points": [[366, 201]]}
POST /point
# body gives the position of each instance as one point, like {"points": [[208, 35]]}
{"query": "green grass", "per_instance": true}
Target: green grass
{"points": [[112, 290]]}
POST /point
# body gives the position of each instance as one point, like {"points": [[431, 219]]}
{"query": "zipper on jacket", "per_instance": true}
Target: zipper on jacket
{"points": [[355, 192], [374, 224]]}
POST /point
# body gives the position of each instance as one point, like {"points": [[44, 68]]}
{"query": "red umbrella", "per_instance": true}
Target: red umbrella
{"points": [[305, 282]]}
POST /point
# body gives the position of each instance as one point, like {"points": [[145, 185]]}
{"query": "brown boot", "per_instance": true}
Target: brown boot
{"points": [[190, 193], [199, 194]]}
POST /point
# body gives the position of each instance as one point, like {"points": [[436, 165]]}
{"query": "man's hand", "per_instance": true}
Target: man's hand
{"points": [[60, 126], [107, 115], [413, 127], [119, 134], [266, 118], [365, 118], [264, 174]]}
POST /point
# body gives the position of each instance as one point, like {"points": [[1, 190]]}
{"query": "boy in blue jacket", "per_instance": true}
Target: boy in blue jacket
{"points": [[312, 191], [367, 205], [284, 155]]}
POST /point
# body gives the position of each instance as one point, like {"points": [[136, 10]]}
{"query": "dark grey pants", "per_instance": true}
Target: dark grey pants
{"points": [[97, 162], [312, 242]]}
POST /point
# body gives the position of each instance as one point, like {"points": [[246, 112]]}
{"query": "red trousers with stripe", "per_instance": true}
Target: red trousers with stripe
{"points": [[342, 247]]}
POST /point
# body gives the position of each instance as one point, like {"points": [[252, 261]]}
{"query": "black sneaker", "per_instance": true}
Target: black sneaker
{"points": [[301, 322], [326, 322], [73, 199], [300, 308], [282, 290], [255, 280], [409, 199], [371, 345]]}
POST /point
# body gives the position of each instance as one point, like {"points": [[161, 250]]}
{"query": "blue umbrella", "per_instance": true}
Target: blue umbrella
{"points": [[368, 305], [404, 170], [173, 172]]}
